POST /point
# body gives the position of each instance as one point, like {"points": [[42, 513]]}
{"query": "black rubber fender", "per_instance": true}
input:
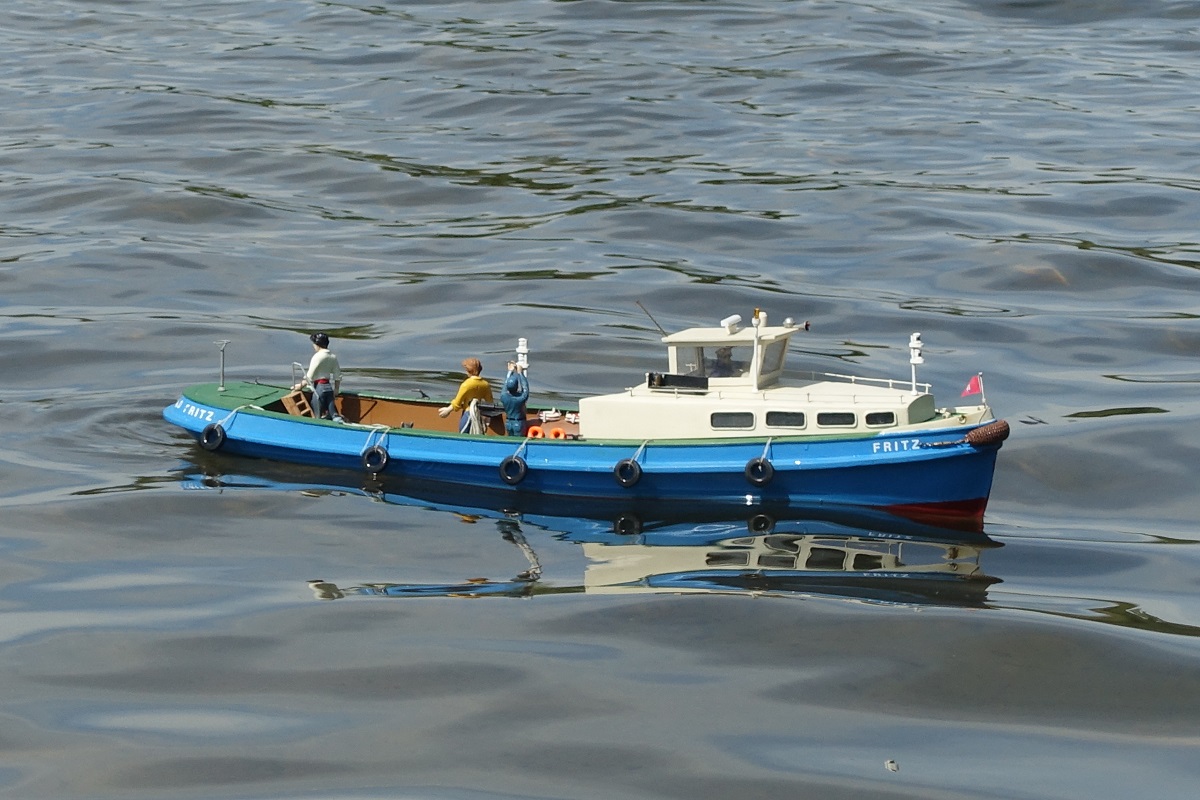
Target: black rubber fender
{"points": [[760, 524], [627, 472], [759, 471], [513, 469], [375, 458], [212, 437], [628, 525]]}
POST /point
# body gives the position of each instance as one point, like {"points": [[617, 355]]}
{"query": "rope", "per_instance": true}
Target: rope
{"points": [[380, 429], [521, 448], [475, 425], [224, 423]]}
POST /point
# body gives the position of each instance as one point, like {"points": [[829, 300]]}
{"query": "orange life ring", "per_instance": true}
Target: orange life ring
{"points": [[535, 432], [558, 433]]}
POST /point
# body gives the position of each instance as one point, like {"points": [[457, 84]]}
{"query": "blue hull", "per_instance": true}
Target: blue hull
{"points": [[935, 472]]}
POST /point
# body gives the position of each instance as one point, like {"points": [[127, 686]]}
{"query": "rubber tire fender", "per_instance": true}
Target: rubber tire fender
{"points": [[627, 472], [212, 437], [627, 525], [513, 469], [760, 524], [375, 458], [759, 471]]}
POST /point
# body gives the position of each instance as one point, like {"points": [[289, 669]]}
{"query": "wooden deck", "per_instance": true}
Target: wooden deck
{"points": [[419, 414]]}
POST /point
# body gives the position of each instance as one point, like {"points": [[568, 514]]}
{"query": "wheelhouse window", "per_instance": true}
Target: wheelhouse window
{"points": [[726, 361], [785, 419], [732, 420], [773, 357], [836, 419], [689, 360], [881, 419]]}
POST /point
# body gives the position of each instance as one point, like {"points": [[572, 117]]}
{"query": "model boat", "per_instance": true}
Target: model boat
{"points": [[723, 421]]}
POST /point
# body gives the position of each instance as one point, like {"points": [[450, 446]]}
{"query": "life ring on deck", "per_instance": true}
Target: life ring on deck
{"points": [[212, 437], [627, 472], [558, 433], [513, 469], [627, 525], [759, 471], [992, 433], [375, 458], [535, 432]]}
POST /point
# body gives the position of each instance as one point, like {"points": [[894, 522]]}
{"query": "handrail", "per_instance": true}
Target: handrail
{"points": [[890, 383]]}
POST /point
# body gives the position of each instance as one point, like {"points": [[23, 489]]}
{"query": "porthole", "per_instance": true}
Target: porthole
{"points": [[785, 419], [836, 419], [881, 419], [826, 558], [735, 420], [734, 559]]}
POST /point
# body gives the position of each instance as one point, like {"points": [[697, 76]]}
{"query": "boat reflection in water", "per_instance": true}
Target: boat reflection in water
{"points": [[856, 554]]}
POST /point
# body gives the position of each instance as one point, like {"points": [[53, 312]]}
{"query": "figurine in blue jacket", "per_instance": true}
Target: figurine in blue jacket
{"points": [[513, 397]]}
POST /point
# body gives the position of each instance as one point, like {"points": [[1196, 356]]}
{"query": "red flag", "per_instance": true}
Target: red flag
{"points": [[974, 386]]}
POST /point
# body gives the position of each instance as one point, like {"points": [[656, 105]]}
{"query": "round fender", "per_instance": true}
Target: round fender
{"points": [[627, 525], [759, 471], [558, 433], [992, 433], [627, 472], [535, 432], [760, 524], [375, 458], [513, 469], [212, 437]]}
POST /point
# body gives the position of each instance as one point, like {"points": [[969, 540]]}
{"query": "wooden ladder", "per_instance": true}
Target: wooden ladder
{"points": [[297, 404]]}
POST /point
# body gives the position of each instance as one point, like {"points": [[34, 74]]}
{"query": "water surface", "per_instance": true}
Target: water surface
{"points": [[426, 181]]}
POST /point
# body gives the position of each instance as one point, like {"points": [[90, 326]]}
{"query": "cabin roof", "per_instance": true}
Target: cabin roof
{"points": [[699, 337]]}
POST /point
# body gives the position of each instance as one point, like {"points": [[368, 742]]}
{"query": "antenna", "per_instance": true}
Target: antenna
{"points": [[651, 316]]}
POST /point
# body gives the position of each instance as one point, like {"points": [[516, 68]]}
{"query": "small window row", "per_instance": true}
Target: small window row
{"points": [[744, 420], [818, 558]]}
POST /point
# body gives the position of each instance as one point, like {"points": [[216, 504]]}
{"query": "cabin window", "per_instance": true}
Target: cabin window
{"points": [[777, 561], [738, 420], [727, 559], [773, 357], [726, 361], [826, 558], [881, 418], [840, 419], [689, 360], [867, 561], [785, 419]]}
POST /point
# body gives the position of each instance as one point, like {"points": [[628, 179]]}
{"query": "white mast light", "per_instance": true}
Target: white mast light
{"points": [[523, 354], [914, 356]]}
